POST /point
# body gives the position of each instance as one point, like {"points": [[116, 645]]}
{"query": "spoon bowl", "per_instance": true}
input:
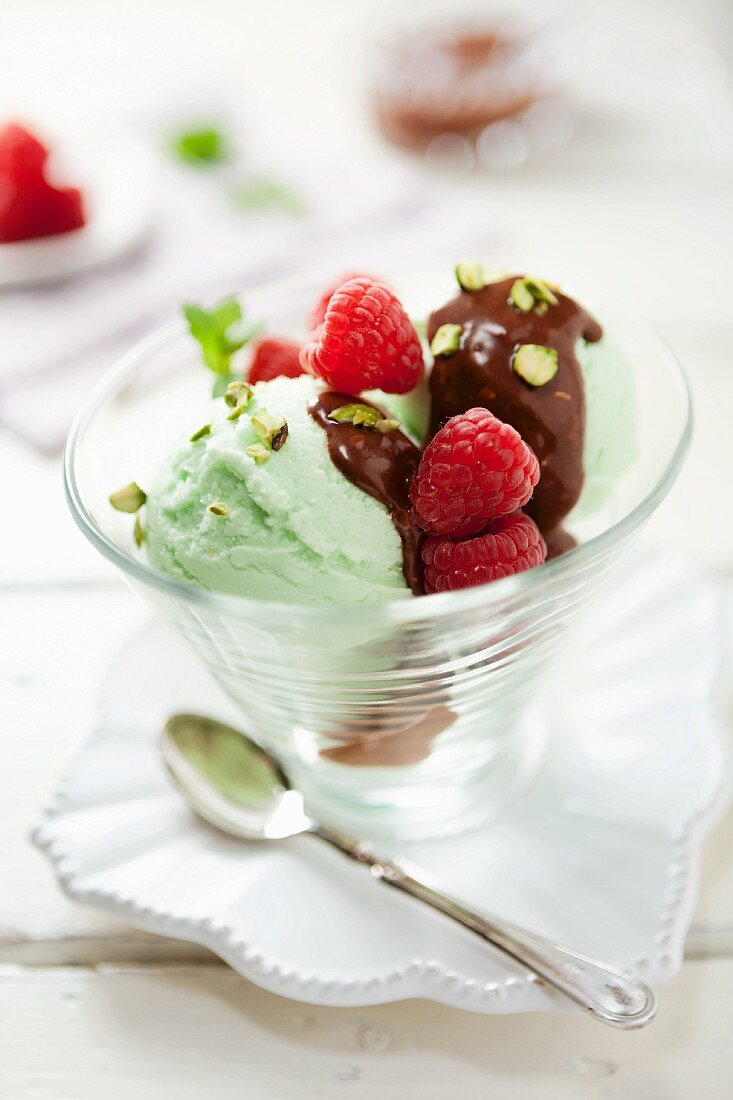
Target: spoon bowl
{"points": [[230, 781]]}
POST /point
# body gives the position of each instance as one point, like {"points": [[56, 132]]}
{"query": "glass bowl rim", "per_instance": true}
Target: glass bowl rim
{"points": [[403, 609]]}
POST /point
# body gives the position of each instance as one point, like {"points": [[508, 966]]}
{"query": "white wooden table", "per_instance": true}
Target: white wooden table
{"points": [[90, 1008]]}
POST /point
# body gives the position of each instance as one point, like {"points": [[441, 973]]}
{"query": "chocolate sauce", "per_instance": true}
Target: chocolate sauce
{"points": [[380, 464], [380, 748], [550, 418]]}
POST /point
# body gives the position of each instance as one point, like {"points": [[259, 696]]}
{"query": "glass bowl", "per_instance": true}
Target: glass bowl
{"points": [[417, 717]]}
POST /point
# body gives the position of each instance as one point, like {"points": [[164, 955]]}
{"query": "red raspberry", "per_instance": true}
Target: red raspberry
{"points": [[366, 341], [507, 546], [30, 206], [273, 357], [474, 470], [318, 312], [22, 156]]}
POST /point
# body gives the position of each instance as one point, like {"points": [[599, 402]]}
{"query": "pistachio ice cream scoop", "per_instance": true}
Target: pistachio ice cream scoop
{"points": [[230, 513]]}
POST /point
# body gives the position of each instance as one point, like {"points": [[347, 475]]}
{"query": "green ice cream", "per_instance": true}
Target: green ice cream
{"points": [[610, 421], [293, 529], [411, 409]]}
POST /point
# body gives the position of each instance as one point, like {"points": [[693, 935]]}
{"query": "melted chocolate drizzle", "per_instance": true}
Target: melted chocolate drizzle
{"points": [[388, 748], [380, 464], [550, 418]]}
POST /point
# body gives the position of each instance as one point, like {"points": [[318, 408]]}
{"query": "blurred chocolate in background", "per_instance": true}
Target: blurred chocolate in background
{"points": [[486, 91]]}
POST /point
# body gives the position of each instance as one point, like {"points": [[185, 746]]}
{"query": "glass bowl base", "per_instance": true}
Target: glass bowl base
{"points": [[432, 805]]}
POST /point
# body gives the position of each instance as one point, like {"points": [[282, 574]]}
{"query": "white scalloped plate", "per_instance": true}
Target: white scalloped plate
{"points": [[600, 853]]}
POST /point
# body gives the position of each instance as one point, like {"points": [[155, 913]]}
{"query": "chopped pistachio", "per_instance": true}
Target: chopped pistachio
{"points": [[272, 430], [531, 293], [363, 416], [280, 436], [521, 296], [129, 499], [236, 413], [138, 532], [218, 508], [447, 340], [258, 452], [201, 433], [542, 290], [238, 393], [359, 415], [535, 363], [470, 275], [387, 425]]}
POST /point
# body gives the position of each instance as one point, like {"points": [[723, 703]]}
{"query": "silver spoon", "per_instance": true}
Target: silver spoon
{"points": [[238, 787]]}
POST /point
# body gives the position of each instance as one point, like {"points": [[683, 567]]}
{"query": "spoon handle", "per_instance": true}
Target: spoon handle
{"points": [[607, 994]]}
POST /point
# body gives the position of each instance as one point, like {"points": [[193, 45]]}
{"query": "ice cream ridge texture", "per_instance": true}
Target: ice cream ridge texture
{"points": [[364, 464]]}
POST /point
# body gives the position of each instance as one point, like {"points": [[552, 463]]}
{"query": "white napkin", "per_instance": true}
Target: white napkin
{"points": [[57, 339]]}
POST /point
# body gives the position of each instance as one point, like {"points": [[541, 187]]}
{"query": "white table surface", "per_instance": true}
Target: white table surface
{"points": [[91, 1008]]}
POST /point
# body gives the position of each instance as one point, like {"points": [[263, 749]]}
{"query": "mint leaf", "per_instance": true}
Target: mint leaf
{"points": [[221, 332], [202, 145], [268, 194], [221, 382]]}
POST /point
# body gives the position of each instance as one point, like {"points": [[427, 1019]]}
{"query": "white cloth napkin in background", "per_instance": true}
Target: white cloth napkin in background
{"points": [[57, 339]]}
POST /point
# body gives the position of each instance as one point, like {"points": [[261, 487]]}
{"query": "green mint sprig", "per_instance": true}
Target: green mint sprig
{"points": [[268, 194], [221, 332], [201, 145]]}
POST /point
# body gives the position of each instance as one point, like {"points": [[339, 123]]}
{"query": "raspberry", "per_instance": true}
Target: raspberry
{"points": [[474, 470], [319, 310], [366, 341], [510, 545], [273, 357], [22, 156], [30, 206]]}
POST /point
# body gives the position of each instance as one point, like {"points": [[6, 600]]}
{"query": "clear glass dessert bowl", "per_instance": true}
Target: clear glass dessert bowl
{"points": [[415, 717]]}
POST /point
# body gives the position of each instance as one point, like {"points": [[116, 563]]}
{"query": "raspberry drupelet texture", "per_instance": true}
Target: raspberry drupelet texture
{"points": [[319, 310], [510, 545], [474, 470], [366, 341], [273, 357]]}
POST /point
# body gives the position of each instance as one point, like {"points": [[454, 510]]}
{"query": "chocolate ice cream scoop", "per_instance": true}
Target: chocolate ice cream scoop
{"points": [[510, 348]]}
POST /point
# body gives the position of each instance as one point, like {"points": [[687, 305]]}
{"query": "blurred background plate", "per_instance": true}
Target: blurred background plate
{"points": [[117, 177]]}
